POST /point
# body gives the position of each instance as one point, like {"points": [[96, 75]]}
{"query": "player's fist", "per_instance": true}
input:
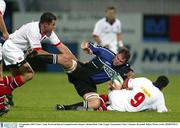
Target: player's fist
{"points": [[85, 47]]}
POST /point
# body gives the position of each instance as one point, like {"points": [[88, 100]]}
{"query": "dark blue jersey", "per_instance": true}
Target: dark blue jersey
{"points": [[104, 56]]}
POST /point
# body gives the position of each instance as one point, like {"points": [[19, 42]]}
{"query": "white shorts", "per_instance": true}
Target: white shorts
{"points": [[117, 100], [11, 54]]}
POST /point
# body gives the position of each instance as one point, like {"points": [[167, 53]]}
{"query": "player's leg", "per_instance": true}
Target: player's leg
{"points": [[1, 67], [95, 101], [92, 101], [20, 68], [86, 89], [64, 60], [21, 74], [4, 107]]}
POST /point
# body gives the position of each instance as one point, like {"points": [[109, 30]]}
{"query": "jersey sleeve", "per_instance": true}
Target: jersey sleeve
{"points": [[54, 39], [119, 26], [33, 38], [129, 83], [161, 107], [101, 52], [97, 29], [2, 7]]}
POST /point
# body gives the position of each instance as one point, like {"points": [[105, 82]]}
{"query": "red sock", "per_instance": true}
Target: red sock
{"points": [[2, 106], [104, 97], [17, 82], [7, 80], [2, 90], [102, 105]]}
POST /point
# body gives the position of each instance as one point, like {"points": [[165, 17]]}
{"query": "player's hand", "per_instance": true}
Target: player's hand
{"points": [[112, 87], [85, 47], [30, 54], [5, 36]]}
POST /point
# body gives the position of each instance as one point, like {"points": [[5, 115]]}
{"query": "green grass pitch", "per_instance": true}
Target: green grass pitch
{"points": [[35, 101]]}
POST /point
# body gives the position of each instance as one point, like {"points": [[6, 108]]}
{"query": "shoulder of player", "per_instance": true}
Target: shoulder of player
{"points": [[32, 27], [102, 20], [2, 6], [117, 21]]}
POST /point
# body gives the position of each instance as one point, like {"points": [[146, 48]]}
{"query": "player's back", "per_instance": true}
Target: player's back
{"points": [[144, 95], [25, 34]]}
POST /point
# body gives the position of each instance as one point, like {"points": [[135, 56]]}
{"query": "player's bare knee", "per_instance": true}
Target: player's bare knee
{"points": [[95, 103], [93, 100], [27, 72], [64, 59], [28, 76]]}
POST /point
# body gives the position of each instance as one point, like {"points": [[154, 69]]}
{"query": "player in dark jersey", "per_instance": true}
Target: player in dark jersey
{"points": [[85, 76]]}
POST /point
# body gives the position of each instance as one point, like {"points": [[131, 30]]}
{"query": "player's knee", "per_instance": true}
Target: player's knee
{"points": [[28, 76], [64, 60], [93, 100]]}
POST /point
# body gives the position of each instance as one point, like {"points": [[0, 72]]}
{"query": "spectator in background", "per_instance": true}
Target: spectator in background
{"points": [[4, 31], [107, 31]]}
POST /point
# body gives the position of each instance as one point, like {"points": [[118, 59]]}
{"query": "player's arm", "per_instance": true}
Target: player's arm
{"points": [[3, 28], [96, 33], [119, 36], [160, 103], [130, 74], [91, 48], [119, 39], [63, 49], [97, 39], [128, 83]]}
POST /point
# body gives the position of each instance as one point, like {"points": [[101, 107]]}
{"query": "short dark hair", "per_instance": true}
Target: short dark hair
{"points": [[110, 8], [47, 17], [126, 52], [161, 82]]}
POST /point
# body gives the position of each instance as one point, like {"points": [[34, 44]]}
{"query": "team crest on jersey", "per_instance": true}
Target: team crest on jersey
{"points": [[109, 71]]}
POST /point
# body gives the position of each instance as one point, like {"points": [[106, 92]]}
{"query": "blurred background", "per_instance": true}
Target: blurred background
{"points": [[150, 28]]}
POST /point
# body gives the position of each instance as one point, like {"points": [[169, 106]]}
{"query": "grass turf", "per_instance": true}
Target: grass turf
{"points": [[35, 101]]}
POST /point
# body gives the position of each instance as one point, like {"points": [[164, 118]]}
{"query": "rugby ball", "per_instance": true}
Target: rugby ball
{"points": [[116, 82]]}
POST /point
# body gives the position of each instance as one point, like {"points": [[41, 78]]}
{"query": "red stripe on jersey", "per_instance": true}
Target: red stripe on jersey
{"points": [[59, 43], [126, 83], [36, 49]]}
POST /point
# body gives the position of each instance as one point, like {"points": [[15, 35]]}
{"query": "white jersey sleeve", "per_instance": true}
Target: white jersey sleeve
{"points": [[97, 28], [2, 7], [33, 38], [161, 107], [119, 30], [54, 39], [130, 83]]}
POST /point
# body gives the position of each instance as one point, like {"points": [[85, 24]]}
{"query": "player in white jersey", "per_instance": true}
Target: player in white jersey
{"points": [[4, 31], [3, 106], [30, 36], [107, 31], [140, 94]]}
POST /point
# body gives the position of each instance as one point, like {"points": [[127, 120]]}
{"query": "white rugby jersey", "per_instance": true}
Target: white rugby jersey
{"points": [[108, 33], [29, 36], [2, 7], [142, 96]]}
